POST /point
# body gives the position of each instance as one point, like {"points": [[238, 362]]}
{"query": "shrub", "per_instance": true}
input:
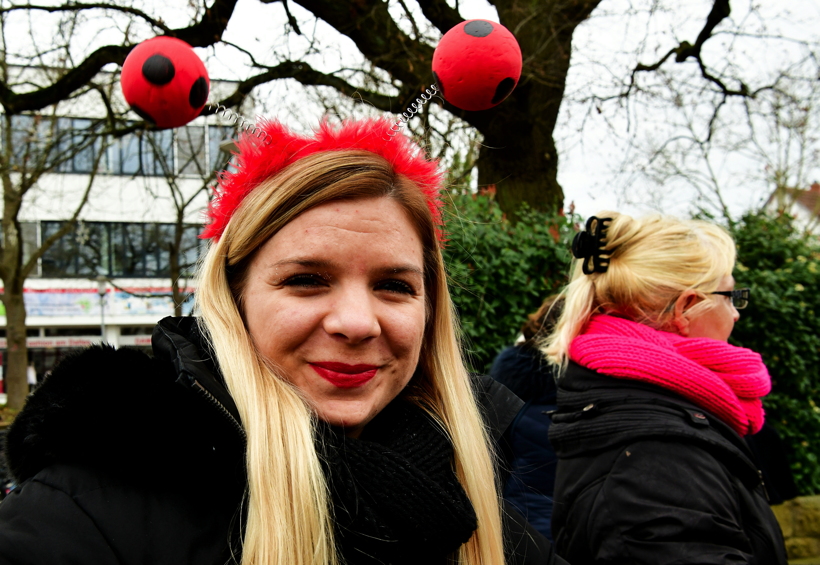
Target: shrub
{"points": [[782, 267], [499, 271]]}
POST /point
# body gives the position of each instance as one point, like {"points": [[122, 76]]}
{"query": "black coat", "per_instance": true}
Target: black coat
{"points": [[530, 457], [646, 477], [124, 459]]}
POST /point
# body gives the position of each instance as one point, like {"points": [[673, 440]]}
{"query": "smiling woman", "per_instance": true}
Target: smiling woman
{"points": [[321, 385], [336, 298]]}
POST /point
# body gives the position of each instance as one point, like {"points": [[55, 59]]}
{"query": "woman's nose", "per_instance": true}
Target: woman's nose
{"points": [[352, 316]]}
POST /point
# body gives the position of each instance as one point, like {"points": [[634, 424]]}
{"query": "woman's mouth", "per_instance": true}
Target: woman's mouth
{"points": [[343, 375]]}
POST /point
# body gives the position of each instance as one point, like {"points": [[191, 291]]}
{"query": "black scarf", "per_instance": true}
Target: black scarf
{"points": [[396, 498]]}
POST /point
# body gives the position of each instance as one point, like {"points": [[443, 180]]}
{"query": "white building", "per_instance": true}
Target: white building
{"points": [[121, 237]]}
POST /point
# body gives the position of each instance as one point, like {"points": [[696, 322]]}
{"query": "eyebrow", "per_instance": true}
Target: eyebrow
{"points": [[321, 264]]}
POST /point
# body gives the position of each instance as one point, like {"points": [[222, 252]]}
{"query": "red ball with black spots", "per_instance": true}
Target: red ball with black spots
{"points": [[477, 64], [165, 82]]}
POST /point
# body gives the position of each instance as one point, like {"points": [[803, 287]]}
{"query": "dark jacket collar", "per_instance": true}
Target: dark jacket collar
{"points": [[180, 342]]}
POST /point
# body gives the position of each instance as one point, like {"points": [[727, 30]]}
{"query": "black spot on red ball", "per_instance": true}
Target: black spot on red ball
{"points": [[199, 93], [143, 114], [158, 69], [504, 88], [478, 28]]}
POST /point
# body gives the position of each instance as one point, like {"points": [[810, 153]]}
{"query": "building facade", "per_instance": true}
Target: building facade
{"points": [[110, 278]]}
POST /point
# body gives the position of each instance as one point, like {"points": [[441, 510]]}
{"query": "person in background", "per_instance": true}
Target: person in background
{"points": [[530, 458], [653, 403], [31, 377], [321, 386]]}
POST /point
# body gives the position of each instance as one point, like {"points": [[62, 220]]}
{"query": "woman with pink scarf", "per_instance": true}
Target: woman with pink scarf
{"points": [[654, 403]]}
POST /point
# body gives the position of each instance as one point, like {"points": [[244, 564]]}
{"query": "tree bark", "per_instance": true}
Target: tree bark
{"points": [[16, 381], [519, 156], [173, 263]]}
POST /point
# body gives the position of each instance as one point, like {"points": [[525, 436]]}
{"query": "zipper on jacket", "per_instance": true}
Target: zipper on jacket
{"points": [[204, 392]]}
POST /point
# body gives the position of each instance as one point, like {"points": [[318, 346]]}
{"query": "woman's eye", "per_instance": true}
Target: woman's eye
{"points": [[397, 286], [304, 281]]}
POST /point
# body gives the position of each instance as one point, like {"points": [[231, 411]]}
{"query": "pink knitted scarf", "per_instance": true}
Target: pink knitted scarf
{"points": [[725, 380]]}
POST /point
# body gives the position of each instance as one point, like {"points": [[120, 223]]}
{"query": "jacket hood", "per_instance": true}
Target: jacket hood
{"points": [[126, 412], [598, 412], [526, 372]]}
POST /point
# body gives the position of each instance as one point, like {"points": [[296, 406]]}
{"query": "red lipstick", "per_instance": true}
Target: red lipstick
{"points": [[343, 375]]}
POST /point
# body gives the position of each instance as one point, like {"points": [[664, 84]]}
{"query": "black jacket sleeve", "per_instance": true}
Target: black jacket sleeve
{"points": [[39, 523], [663, 503]]}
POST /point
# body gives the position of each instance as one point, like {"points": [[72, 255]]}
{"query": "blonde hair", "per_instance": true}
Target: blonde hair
{"points": [[289, 518], [653, 261]]}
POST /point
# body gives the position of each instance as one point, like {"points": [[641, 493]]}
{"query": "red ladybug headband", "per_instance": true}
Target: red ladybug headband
{"points": [[271, 147]]}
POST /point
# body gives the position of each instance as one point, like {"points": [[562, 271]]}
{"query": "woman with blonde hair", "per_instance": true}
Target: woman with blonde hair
{"points": [[653, 402], [317, 411]]}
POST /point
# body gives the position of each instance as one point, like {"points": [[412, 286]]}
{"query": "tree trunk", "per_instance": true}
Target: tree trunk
{"points": [[17, 351], [519, 156], [175, 250]]}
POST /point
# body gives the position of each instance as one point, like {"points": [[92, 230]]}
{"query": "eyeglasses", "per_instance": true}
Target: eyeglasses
{"points": [[740, 296]]}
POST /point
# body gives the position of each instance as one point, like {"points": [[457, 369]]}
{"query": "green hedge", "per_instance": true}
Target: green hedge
{"points": [[501, 272], [782, 267]]}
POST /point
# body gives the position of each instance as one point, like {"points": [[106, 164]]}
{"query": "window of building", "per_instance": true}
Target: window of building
{"points": [[158, 153], [119, 249], [72, 145], [192, 151], [136, 330], [218, 159], [32, 138], [85, 146], [73, 332]]}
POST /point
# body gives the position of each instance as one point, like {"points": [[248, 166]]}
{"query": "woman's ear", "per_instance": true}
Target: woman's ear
{"points": [[680, 321]]}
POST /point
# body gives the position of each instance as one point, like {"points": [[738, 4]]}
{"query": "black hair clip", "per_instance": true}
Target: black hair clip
{"points": [[589, 246]]}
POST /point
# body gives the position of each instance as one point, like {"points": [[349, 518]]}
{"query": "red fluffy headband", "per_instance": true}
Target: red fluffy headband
{"points": [[272, 147]]}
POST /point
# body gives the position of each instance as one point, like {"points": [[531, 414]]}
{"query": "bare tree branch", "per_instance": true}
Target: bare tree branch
{"points": [[685, 50], [307, 75], [371, 27], [440, 14], [75, 7]]}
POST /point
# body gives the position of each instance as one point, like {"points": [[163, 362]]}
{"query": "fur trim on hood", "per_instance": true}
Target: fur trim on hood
{"points": [[123, 412]]}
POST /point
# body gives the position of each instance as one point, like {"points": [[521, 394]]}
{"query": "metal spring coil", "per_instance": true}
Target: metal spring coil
{"points": [[414, 109], [240, 121]]}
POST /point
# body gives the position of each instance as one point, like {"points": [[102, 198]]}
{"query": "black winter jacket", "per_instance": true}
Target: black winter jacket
{"points": [[647, 478], [530, 457], [125, 459]]}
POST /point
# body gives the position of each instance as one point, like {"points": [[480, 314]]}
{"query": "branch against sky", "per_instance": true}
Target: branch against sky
{"points": [[664, 136]]}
